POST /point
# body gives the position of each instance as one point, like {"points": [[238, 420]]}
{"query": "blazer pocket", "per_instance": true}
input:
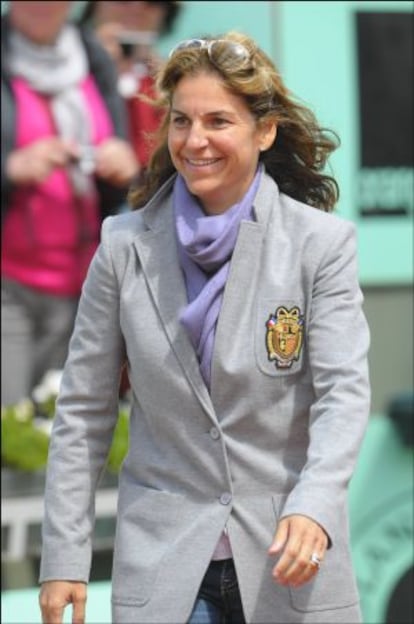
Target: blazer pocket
{"points": [[334, 586], [280, 336], [146, 527]]}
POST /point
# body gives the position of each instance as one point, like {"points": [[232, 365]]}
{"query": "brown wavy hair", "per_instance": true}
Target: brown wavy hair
{"points": [[298, 156]]}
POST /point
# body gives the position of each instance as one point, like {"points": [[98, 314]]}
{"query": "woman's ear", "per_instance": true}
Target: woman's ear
{"points": [[268, 134]]}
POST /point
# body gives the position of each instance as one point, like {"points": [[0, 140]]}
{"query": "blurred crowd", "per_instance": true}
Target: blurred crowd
{"points": [[75, 137]]}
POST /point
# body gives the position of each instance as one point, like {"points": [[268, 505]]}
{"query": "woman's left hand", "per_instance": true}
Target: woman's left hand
{"points": [[115, 162], [297, 539]]}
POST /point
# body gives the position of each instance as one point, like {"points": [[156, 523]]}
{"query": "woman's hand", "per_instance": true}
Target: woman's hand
{"points": [[297, 539], [35, 162], [56, 595], [116, 162], [109, 34]]}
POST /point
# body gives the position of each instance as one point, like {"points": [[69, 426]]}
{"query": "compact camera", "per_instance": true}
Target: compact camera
{"points": [[130, 40]]}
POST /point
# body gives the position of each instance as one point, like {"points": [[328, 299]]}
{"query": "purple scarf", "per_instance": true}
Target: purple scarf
{"points": [[205, 245]]}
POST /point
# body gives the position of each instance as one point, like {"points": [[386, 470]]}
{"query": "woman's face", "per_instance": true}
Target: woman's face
{"points": [[214, 141], [39, 21], [140, 16]]}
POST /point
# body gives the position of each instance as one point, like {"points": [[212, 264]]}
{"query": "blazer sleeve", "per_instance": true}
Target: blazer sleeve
{"points": [[338, 342], [87, 411]]}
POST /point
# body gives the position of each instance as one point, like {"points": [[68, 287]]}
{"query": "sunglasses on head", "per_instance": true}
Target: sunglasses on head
{"points": [[223, 53]]}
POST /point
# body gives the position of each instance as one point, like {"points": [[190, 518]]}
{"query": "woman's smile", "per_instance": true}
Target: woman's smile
{"points": [[202, 163]]}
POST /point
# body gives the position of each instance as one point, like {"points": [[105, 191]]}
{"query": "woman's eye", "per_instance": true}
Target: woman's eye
{"points": [[219, 122], [179, 122]]}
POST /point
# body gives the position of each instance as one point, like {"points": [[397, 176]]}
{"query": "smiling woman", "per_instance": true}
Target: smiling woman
{"points": [[231, 295], [296, 159]]}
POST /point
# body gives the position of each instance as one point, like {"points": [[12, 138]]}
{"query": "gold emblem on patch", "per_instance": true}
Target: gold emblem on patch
{"points": [[284, 336]]}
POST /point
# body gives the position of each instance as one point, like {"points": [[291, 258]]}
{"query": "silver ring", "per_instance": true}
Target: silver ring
{"points": [[315, 561]]}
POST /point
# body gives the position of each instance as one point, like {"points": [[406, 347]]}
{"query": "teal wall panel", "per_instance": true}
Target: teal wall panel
{"points": [[319, 63], [314, 46], [200, 18]]}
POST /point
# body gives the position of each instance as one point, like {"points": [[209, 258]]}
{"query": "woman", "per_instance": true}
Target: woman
{"points": [[233, 297], [130, 31], [65, 166]]}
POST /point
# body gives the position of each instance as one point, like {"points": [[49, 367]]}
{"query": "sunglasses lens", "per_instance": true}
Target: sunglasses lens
{"points": [[228, 55], [224, 54], [188, 43]]}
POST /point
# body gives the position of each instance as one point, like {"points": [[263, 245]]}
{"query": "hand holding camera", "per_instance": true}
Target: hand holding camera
{"points": [[125, 46]]}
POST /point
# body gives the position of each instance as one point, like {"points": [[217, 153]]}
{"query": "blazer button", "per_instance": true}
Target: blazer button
{"points": [[225, 498], [214, 433]]}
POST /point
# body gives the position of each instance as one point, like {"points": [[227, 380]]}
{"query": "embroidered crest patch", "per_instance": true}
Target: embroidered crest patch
{"points": [[284, 336]]}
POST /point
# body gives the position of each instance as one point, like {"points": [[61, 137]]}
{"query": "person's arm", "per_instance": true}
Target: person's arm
{"points": [[116, 173], [35, 162], [104, 72], [86, 414], [337, 342]]}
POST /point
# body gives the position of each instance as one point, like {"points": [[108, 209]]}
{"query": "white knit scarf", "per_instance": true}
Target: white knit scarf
{"points": [[57, 70]]}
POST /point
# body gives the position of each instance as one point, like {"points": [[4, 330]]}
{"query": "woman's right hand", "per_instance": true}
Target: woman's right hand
{"points": [[108, 35], [33, 163], [56, 595]]}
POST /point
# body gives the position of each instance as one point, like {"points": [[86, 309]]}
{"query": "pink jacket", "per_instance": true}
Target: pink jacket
{"points": [[49, 235]]}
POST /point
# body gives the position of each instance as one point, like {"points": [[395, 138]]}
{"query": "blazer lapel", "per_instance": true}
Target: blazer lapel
{"points": [[243, 275], [157, 252], [239, 288]]}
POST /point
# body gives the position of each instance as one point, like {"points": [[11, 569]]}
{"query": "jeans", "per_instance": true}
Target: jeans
{"points": [[218, 601]]}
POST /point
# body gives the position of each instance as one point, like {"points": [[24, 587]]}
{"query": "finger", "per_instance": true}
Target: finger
{"points": [[299, 579], [315, 561], [280, 538], [52, 615], [294, 562], [78, 614], [289, 555], [287, 565], [304, 569]]}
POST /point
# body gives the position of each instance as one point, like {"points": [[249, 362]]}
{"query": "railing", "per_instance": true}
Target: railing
{"points": [[21, 518]]}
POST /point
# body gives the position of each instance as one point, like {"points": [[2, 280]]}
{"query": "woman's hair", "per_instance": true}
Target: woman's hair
{"points": [[171, 12], [300, 151]]}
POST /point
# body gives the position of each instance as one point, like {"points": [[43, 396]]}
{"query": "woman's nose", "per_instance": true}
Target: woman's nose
{"points": [[197, 136]]}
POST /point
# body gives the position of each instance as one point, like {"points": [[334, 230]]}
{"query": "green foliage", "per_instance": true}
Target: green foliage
{"points": [[25, 437], [23, 446], [119, 442]]}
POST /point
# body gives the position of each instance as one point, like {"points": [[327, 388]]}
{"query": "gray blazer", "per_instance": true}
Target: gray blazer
{"points": [[278, 434]]}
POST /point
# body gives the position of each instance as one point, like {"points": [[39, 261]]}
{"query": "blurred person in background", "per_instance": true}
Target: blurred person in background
{"points": [[129, 31], [233, 296], [65, 166]]}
